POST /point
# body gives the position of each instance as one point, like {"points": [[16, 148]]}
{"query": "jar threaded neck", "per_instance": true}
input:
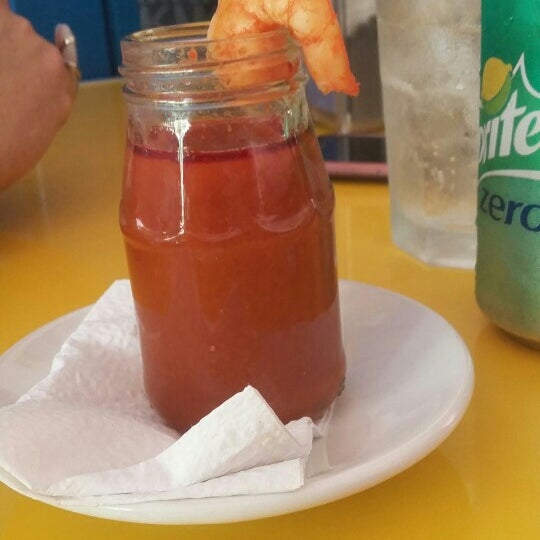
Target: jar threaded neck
{"points": [[178, 63]]}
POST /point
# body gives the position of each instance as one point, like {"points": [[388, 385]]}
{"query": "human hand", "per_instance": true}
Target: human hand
{"points": [[37, 92]]}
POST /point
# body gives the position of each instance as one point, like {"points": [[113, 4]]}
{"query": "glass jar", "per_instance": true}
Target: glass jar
{"points": [[227, 216]]}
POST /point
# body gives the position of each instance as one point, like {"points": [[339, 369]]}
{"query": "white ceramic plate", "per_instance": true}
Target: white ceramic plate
{"points": [[409, 381]]}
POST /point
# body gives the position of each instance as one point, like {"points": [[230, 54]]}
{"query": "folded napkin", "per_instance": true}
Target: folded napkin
{"points": [[87, 434]]}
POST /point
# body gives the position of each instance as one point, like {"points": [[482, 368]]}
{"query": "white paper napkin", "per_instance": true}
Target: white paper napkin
{"points": [[87, 434]]}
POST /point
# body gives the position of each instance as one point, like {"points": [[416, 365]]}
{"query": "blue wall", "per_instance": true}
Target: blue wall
{"points": [[97, 24]]}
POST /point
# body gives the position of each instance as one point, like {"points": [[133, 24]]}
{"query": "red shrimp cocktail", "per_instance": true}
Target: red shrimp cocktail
{"points": [[227, 216]]}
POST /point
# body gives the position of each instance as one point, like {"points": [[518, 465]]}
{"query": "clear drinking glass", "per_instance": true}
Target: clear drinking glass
{"points": [[430, 56]]}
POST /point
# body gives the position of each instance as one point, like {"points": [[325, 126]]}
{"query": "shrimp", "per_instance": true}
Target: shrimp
{"points": [[312, 23]]}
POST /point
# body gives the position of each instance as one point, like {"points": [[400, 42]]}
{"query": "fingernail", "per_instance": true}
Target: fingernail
{"points": [[64, 39]]}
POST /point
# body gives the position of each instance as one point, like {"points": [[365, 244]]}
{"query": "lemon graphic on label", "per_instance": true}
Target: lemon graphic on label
{"points": [[496, 84]]}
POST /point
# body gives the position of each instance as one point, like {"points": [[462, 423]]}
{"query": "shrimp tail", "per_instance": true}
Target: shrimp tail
{"points": [[327, 61], [312, 23]]}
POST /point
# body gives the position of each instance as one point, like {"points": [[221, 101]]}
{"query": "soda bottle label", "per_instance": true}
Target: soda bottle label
{"points": [[508, 218], [509, 120]]}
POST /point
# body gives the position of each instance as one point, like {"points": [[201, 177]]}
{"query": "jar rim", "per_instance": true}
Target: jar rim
{"points": [[195, 30], [188, 36], [179, 62]]}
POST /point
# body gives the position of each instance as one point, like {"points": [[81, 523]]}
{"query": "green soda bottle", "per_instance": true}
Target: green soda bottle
{"points": [[508, 219]]}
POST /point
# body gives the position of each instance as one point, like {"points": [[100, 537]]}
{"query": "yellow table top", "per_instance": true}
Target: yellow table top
{"points": [[60, 247]]}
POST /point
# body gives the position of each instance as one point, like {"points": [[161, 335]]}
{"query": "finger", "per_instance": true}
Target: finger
{"points": [[4, 6]]}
